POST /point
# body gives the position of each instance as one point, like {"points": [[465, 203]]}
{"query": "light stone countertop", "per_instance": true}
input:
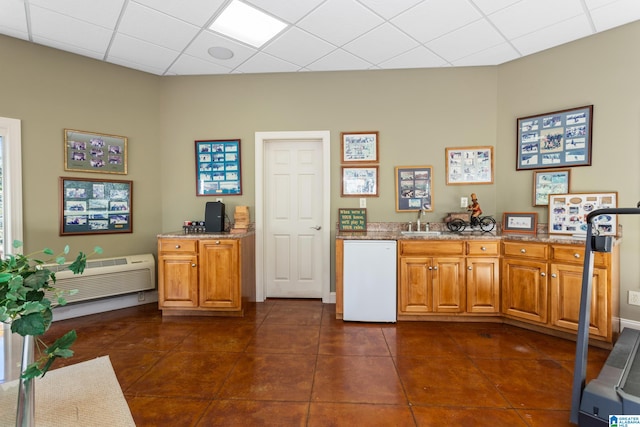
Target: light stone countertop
{"points": [[225, 235]]}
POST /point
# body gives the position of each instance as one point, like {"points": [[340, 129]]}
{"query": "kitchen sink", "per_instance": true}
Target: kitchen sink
{"points": [[420, 233]]}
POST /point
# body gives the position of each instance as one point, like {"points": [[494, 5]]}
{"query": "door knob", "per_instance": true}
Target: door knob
{"points": [[317, 227]]}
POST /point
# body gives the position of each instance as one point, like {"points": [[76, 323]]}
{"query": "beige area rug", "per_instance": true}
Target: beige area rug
{"points": [[86, 394]]}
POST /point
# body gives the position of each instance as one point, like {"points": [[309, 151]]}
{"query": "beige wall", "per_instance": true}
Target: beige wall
{"points": [[417, 112], [50, 90], [599, 70]]}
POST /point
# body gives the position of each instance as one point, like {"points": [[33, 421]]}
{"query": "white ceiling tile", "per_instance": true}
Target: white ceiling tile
{"points": [[136, 66], [157, 28], [553, 35], [289, 11], [69, 48], [593, 4], [298, 47], [494, 55], [16, 34], [197, 12], [13, 18], [420, 57], [528, 16], [200, 46], [99, 12], [65, 30], [338, 60], [188, 65], [263, 63], [465, 41], [432, 19], [141, 52], [340, 21], [615, 14], [380, 44], [388, 9], [490, 6]]}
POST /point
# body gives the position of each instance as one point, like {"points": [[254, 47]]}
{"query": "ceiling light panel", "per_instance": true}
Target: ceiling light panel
{"points": [[247, 24]]}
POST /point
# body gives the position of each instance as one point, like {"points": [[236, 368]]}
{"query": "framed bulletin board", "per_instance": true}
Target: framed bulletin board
{"points": [[554, 140], [94, 152], [95, 206], [414, 188], [469, 165], [352, 219], [218, 171], [568, 213]]}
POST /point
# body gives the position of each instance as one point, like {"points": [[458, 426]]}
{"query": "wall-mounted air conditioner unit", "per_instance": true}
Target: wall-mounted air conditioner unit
{"points": [[107, 277]]}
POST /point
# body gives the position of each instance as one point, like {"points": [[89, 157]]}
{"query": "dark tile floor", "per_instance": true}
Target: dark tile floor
{"points": [[291, 363]]}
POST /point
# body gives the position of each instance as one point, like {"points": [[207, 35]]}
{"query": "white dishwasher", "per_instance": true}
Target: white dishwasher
{"points": [[369, 281]]}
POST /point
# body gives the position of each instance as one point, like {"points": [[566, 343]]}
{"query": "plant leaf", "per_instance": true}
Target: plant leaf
{"points": [[79, 264], [31, 324]]}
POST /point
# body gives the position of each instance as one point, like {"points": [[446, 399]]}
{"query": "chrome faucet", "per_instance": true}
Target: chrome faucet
{"points": [[420, 212]]}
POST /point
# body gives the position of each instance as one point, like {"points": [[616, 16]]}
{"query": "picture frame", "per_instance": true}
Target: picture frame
{"points": [[95, 152], [218, 167], [520, 222], [545, 182], [95, 206], [359, 147], [352, 219], [358, 181], [555, 140], [568, 213], [414, 188], [469, 165]]}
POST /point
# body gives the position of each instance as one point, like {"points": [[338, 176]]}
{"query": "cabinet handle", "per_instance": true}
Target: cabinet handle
{"points": [[483, 248], [193, 265], [576, 255], [217, 242], [543, 274], [523, 251], [469, 268], [177, 246], [554, 275], [435, 268], [430, 268]]}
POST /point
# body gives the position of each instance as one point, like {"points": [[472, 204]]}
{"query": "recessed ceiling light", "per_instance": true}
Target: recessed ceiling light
{"points": [[219, 52], [247, 24]]}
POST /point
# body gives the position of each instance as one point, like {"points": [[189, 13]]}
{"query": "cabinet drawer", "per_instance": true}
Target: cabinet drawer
{"points": [[177, 245], [431, 247], [575, 254], [479, 248], [525, 250]]}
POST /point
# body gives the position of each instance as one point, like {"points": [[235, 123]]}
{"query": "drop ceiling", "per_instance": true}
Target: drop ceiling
{"points": [[170, 37]]}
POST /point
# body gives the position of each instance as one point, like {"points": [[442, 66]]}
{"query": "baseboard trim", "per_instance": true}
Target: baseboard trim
{"points": [[331, 299], [101, 305], [631, 324]]}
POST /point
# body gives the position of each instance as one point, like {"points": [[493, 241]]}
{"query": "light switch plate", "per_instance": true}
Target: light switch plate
{"points": [[464, 202], [219, 199], [363, 202]]}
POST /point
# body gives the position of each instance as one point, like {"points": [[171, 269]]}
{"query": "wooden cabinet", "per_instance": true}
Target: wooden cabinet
{"points": [[483, 277], [524, 281], [205, 276], [430, 277], [566, 270], [177, 273]]}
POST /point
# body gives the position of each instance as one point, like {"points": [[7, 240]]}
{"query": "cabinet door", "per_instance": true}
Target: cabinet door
{"points": [[566, 290], [448, 285], [178, 281], [525, 290], [219, 277], [415, 291], [483, 285]]}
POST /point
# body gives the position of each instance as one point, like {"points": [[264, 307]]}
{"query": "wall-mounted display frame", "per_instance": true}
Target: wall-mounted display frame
{"points": [[218, 169], [359, 147], [94, 152], [555, 140], [568, 213], [414, 188], [354, 219], [545, 182], [469, 165], [520, 222], [358, 181], [95, 206]]}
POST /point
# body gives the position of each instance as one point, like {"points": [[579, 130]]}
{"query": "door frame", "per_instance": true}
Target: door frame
{"points": [[261, 140]]}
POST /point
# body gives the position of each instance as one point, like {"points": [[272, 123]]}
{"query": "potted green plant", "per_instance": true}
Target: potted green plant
{"points": [[25, 287]]}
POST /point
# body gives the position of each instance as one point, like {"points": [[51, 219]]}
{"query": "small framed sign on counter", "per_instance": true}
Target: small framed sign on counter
{"points": [[352, 219]]}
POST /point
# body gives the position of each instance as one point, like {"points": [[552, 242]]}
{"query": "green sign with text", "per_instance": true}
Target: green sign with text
{"points": [[352, 219]]}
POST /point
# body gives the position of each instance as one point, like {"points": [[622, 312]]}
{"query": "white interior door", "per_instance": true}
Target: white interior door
{"points": [[293, 219]]}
